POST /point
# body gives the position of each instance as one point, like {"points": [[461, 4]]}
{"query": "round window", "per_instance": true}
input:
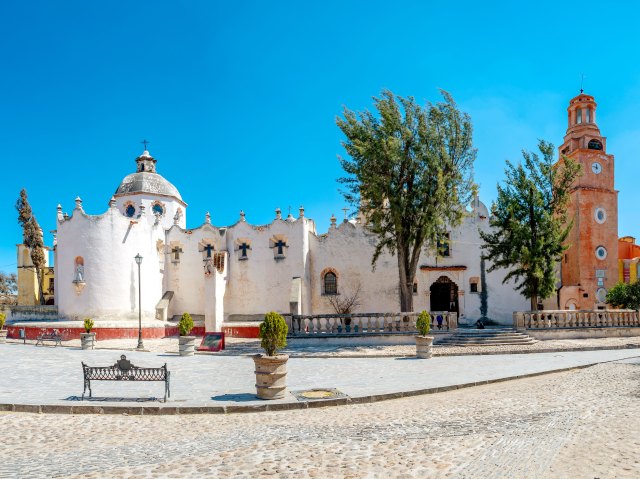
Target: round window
{"points": [[157, 209], [601, 295], [600, 215], [601, 252], [130, 210]]}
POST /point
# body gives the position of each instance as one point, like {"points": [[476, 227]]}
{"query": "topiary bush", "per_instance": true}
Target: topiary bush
{"points": [[423, 323], [88, 325], [273, 333], [185, 325], [3, 317]]}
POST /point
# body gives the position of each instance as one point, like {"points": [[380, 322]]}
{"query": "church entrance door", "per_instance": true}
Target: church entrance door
{"points": [[444, 295]]}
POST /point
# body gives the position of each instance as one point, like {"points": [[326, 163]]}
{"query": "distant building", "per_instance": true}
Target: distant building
{"points": [[27, 279], [628, 257]]}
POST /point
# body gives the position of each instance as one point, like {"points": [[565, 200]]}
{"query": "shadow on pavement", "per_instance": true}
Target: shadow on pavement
{"points": [[112, 399], [238, 397]]}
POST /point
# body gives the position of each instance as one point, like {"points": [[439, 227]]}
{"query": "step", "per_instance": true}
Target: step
{"points": [[489, 341], [489, 336], [481, 344]]}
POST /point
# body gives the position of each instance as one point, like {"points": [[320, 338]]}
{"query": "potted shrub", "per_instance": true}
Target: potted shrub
{"points": [[87, 339], [186, 343], [3, 332], [271, 368], [424, 342]]}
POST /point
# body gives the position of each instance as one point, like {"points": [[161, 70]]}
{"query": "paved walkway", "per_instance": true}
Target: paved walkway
{"points": [[581, 423], [53, 376]]}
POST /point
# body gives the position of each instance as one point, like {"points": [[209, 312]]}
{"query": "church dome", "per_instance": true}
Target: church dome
{"points": [[146, 180]]}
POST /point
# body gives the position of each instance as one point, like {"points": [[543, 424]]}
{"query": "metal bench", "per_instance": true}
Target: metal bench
{"points": [[123, 370], [53, 336]]}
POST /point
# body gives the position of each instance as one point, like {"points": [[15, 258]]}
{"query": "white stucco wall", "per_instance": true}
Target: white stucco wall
{"points": [[249, 288], [348, 250], [108, 244]]}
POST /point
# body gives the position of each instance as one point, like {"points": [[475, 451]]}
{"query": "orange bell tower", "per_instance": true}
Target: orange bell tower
{"points": [[590, 265]]}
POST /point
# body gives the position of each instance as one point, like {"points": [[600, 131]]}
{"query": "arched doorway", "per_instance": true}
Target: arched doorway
{"points": [[444, 295]]}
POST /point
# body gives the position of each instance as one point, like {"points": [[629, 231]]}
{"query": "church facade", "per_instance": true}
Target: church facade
{"points": [[234, 274], [231, 275]]}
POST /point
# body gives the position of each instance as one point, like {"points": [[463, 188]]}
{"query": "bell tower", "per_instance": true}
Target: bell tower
{"points": [[590, 265]]}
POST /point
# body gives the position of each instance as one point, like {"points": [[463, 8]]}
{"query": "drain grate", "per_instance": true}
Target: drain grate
{"points": [[318, 394]]}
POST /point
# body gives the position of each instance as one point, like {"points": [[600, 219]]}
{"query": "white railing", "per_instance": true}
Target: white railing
{"points": [[367, 323], [553, 319]]}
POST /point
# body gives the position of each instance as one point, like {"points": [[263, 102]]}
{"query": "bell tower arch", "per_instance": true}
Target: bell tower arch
{"points": [[590, 265]]}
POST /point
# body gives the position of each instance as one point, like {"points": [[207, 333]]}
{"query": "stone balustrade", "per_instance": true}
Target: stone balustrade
{"points": [[366, 323], [34, 313], [554, 319]]}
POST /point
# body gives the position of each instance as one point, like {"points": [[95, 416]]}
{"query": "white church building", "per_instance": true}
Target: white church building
{"points": [[233, 274]]}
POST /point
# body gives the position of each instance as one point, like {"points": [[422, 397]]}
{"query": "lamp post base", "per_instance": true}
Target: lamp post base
{"points": [[140, 346]]}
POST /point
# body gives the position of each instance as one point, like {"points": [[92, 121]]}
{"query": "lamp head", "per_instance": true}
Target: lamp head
{"points": [[138, 259]]}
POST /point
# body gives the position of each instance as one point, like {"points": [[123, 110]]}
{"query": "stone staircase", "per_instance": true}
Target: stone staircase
{"points": [[487, 337]]}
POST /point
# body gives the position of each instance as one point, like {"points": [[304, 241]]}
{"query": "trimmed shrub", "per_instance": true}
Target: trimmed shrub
{"points": [[273, 333], [185, 325], [88, 325], [3, 317], [423, 323]]}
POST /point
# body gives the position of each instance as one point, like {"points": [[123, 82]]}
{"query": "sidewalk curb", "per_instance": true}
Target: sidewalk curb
{"points": [[289, 406]]}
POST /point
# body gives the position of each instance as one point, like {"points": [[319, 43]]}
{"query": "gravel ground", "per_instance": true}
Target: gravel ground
{"points": [[237, 347], [576, 424]]}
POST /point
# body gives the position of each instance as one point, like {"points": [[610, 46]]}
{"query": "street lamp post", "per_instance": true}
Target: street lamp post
{"points": [[138, 259]]}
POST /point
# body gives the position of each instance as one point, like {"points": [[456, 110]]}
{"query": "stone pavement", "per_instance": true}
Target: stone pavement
{"points": [[53, 376], [581, 423]]}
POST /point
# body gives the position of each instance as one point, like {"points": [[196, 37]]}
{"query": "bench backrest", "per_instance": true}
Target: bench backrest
{"points": [[123, 370]]}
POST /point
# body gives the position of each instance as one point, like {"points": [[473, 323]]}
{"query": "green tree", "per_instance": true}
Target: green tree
{"points": [[529, 222], [32, 238], [625, 295], [409, 171]]}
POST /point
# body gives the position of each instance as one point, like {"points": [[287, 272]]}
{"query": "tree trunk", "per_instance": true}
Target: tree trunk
{"points": [[405, 283], [40, 279], [534, 302]]}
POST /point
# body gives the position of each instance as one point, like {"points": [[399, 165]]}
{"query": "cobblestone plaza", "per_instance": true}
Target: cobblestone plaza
{"points": [[580, 422]]}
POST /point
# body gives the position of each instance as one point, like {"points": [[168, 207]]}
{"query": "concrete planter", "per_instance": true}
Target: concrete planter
{"points": [[87, 340], [423, 346], [3, 336], [271, 376], [187, 345]]}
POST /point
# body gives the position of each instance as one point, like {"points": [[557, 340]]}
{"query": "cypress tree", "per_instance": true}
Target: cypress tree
{"points": [[32, 238], [529, 222]]}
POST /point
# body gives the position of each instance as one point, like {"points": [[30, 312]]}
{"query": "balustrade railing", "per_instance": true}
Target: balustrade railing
{"points": [[576, 319], [36, 312], [366, 323]]}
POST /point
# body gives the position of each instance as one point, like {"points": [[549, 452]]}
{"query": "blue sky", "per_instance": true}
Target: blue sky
{"points": [[239, 99]]}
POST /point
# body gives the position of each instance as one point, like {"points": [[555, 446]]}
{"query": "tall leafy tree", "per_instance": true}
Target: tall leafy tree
{"points": [[32, 238], [409, 171], [529, 221]]}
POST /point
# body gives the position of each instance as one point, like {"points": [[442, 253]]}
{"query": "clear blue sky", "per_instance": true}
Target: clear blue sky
{"points": [[239, 99]]}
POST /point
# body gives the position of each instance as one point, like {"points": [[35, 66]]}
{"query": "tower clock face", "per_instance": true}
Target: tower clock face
{"points": [[596, 167]]}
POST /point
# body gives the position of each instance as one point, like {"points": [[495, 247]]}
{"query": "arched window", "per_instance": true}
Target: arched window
{"points": [[579, 115], [595, 145], [130, 210], [330, 282], [157, 209]]}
